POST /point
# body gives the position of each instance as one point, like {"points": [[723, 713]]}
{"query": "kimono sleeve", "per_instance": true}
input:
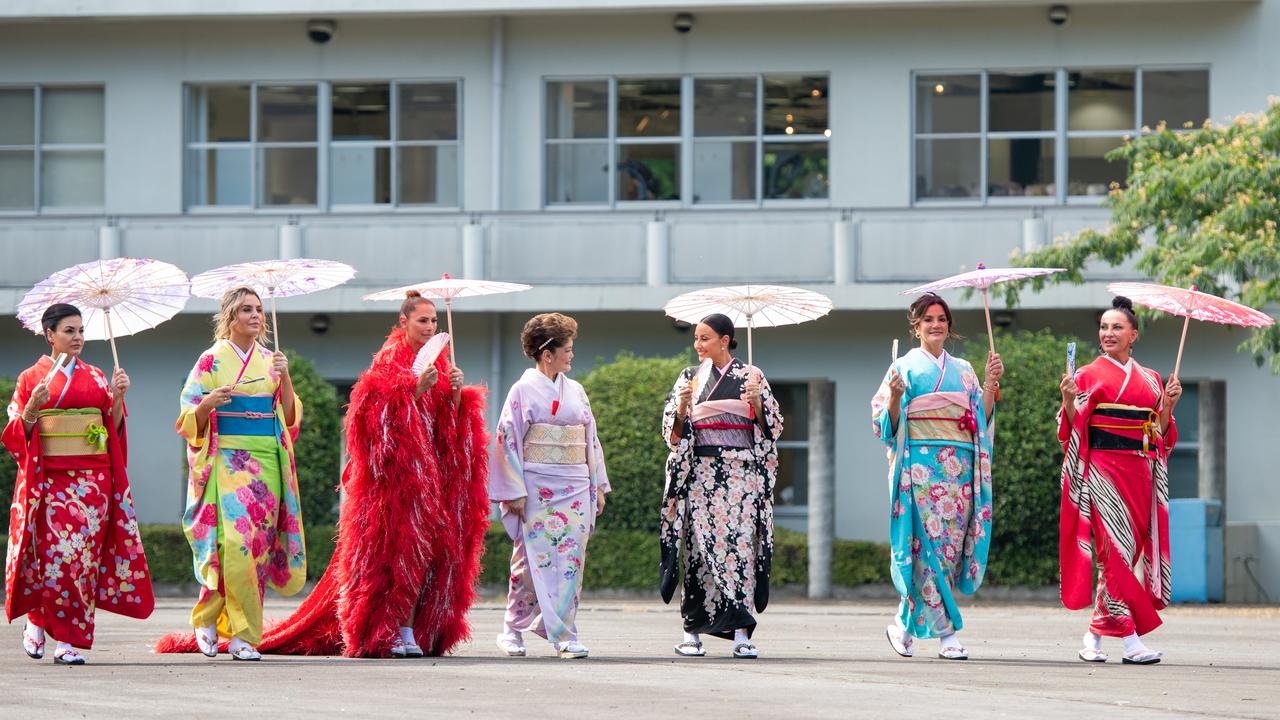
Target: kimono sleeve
{"points": [[599, 476], [881, 423], [669, 412], [199, 382], [772, 425], [506, 468], [1169, 436], [15, 433]]}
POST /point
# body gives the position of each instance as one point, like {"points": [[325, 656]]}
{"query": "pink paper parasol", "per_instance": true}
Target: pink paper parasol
{"points": [[750, 306], [1188, 304], [274, 278], [982, 278]]}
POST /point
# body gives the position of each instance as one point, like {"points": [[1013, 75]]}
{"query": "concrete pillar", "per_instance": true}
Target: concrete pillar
{"points": [[844, 250], [290, 241], [473, 258], [1033, 234], [822, 485], [658, 253], [1213, 441], [109, 242]]}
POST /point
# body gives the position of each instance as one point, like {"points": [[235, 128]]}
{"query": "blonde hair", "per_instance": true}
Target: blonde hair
{"points": [[226, 315]]}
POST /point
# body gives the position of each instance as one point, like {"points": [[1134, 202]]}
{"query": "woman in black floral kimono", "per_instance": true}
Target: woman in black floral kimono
{"points": [[722, 424]]}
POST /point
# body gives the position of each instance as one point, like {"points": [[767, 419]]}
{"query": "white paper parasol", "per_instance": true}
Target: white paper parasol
{"points": [[273, 278], [750, 306]]}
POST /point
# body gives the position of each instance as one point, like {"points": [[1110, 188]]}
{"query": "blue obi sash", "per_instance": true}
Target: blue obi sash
{"points": [[248, 415]]}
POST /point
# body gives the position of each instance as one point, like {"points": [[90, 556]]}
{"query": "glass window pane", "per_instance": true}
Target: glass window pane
{"points": [[1021, 168], [649, 108], [793, 399], [724, 106], [796, 170], [724, 171], [220, 176], [428, 111], [361, 112], [649, 172], [948, 103], [1184, 473], [429, 175], [948, 168], [1177, 97], [287, 113], [578, 109], [71, 179], [792, 487], [287, 176], [1088, 172], [17, 117], [219, 113], [359, 175], [795, 105], [17, 179], [71, 115], [1020, 101], [1101, 100], [578, 173]]}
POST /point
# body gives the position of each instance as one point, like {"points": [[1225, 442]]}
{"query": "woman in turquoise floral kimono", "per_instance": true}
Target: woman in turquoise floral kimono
{"points": [[239, 416], [939, 478]]}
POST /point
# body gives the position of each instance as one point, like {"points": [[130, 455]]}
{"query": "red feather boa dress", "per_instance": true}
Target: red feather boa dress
{"points": [[413, 521]]}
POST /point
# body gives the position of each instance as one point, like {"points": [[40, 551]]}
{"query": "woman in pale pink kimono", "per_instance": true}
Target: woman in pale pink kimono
{"points": [[547, 473]]}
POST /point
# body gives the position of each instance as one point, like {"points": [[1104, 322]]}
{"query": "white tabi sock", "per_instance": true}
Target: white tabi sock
{"points": [[406, 634], [740, 636], [692, 638], [1133, 645], [63, 646], [949, 640], [1093, 641]]}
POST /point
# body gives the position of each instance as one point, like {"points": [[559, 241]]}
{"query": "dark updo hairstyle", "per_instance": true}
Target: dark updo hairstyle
{"points": [[1125, 305], [921, 305], [548, 331], [56, 313], [721, 325], [412, 299]]}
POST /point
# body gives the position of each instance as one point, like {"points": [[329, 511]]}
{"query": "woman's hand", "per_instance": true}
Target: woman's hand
{"points": [[896, 387], [456, 379], [514, 506], [684, 398], [1172, 392], [216, 399], [995, 371], [280, 364], [39, 396], [599, 503], [427, 379], [1069, 391], [119, 383], [752, 394]]}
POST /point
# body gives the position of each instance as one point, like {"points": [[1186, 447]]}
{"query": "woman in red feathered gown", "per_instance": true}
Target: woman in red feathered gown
{"points": [[407, 559]]}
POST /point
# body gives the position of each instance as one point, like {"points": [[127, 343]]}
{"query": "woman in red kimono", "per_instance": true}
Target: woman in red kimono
{"points": [[73, 536], [1116, 427]]}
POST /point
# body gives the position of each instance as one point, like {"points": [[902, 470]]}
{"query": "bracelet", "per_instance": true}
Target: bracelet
{"points": [[29, 420]]}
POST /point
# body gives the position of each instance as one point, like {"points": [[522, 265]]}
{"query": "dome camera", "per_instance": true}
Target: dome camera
{"points": [[1059, 14], [682, 22], [321, 31]]}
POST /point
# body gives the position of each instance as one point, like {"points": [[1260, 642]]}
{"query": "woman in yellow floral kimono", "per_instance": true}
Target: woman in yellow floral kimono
{"points": [[239, 416]]}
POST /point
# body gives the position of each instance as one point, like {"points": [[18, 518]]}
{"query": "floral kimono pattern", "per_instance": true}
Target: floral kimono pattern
{"points": [[717, 511], [1115, 498], [550, 545], [73, 535], [939, 488], [242, 516]]}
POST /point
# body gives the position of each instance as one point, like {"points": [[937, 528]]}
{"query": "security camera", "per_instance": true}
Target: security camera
{"points": [[321, 31], [1059, 14], [682, 23]]}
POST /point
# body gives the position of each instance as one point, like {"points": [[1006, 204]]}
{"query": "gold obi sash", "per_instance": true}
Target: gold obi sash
{"points": [[556, 444], [936, 421], [72, 432]]}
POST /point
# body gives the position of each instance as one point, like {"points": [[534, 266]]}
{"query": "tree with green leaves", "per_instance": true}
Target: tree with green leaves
{"points": [[316, 451], [1199, 208]]}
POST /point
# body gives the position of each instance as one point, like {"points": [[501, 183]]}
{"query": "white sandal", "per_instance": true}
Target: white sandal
{"points": [[241, 650], [67, 656], [745, 651], [511, 645], [400, 648], [690, 649], [953, 652], [207, 640], [1145, 656], [1091, 655], [899, 640], [572, 650], [33, 639]]}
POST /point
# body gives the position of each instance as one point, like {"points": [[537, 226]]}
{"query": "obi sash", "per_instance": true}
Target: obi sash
{"points": [[721, 424], [76, 431], [941, 417], [556, 444], [248, 415], [1123, 427]]}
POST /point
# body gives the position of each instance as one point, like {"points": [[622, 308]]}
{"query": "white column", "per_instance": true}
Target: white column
{"points": [[844, 236], [1033, 234], [822, 485], [109, 241], [290, 241], [473, 259], [658, 253]]}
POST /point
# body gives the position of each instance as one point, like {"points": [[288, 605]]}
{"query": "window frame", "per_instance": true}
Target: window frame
{"points": [[795, 511], [324, 146], [38, 147], [685, 143], [1061, 133]]}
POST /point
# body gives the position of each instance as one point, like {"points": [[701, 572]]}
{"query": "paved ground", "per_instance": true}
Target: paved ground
{"points": [[817, 660]]}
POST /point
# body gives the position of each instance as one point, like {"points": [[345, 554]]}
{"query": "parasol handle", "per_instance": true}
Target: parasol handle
{"points": [[750, 356], [275, 326], [1177, 365], [448, 310], [115, 357], [986, 307]]}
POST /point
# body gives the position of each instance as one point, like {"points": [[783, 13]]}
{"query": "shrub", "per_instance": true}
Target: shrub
{"points": [[627, 397], [8, 468], [316, 451], [1028, 459]]}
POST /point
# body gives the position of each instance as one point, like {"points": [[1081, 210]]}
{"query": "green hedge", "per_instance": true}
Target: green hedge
{"points": [[317, 449], [8, 468], [1028, 459]]}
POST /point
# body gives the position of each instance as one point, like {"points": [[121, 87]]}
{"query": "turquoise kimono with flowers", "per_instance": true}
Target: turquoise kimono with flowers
{"points": [[939, 488]]}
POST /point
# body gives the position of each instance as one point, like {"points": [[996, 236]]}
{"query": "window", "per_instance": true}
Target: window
{"points": [[1184, 459], [792, 487], [51, 148], [323, 145], [686, 140], [1040, 136]]}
